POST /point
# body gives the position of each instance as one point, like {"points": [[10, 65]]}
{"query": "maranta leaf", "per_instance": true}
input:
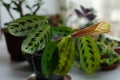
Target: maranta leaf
{"points": [[24, 25], [98, 28], [89, 54], [62, 30], [66, 51], [37, 39], [49, 58]]}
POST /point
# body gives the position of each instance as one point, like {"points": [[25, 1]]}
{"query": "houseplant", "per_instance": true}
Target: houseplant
{"points": [[111, 41], [109, 58], [56, 53], [17, 6]]}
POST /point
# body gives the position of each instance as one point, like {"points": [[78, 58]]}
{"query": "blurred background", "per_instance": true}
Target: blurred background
{"points": [[109, 11], [104, 9]]}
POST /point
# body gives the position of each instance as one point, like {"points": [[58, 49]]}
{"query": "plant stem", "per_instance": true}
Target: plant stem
{"points": [[8, 9], [36, 9], [20, 8], [10, 14]]}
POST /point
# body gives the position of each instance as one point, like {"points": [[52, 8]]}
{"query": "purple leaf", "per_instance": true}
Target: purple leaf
{"points": [[86, 10], [90, 17], [79, 14]]}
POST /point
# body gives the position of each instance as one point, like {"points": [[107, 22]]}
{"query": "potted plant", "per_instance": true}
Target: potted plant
{"points": [[109, 58], [117, 50], [52, 59], [84, 55], [111, 41], [14, 43]]}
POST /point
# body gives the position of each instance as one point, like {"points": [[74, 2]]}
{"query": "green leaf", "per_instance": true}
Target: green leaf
{"points": [[66, 52], [24, 25], [49, 58], [89, 54], [111, 60], [27, 6], [62, 30], [37, 39]]}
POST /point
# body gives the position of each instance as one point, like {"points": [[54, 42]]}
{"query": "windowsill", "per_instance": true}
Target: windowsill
{"points": [[20, 70]]}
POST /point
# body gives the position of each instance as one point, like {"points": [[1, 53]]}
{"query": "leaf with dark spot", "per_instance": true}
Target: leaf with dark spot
{"points": [[89, 54], [24, 25]]}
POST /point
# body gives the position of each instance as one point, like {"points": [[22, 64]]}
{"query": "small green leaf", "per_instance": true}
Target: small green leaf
{"points": [[62, 30], [27, 6]]}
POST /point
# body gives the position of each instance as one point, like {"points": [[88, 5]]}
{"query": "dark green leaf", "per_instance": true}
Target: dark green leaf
{"points": [[27, 6], [63, 30], [49, 58]]}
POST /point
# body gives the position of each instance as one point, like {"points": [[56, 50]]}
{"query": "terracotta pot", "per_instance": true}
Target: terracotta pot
{"points": [[117, 50], [106, 67], [14, 46]]}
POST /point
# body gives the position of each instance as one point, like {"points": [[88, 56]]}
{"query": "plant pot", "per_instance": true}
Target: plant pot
{"points": [[106, 67], [33, 77], [14, 46], [37, 67], [28, 58], [117, 50]]}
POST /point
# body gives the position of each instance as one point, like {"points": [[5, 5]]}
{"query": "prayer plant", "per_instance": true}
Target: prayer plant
{"points": [[58, 55]]}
